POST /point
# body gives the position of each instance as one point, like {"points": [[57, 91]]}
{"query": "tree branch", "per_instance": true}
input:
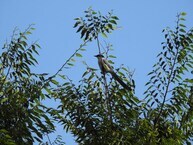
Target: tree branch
{"points": [[60, 69]]}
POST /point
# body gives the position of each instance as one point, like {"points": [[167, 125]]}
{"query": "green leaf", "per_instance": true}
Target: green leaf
{"points": [[3, 100], [110, 26], [48, 91], [80, 28], [94, 12], [104, 35], [70, 64], [113, 22], [73, 60], [183, 13], [34, 49], [28, 32], [147, 83], [23, 36], [191, 36], [179, 77], [78, 55], [182, 19], [83, 49], [32, 58], [38, 45], [55, 82], [110, 61], [189, 81], [77, 19], [85, 73], [189, 65], [115, 17], [76, 24], [112, 56], [182, 25], [62, 76], [83, 32], [91, 76], [87, 35], [163, 62], [150, 73], [182, 30], [23, 43]]}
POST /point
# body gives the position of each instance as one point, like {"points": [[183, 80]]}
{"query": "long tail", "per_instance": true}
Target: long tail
{"points": [[116, 77]]}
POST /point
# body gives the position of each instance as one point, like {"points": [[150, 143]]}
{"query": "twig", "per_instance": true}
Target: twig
{"points": [[8, 50], [98, 44], [49, 139], [167, 88], [108, 101], [60, 69], [109, 109]]}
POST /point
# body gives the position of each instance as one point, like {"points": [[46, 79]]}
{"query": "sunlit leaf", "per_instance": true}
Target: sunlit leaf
{"points": [[104, 35], [78, 55], [183, 14], [113, 22], [115, 17]]}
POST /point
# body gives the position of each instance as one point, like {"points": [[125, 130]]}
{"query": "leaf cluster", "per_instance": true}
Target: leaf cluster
{"points": [[85, 112], [169, 88], [165, 115], [94, 24], [22, 117], [95, 111]]}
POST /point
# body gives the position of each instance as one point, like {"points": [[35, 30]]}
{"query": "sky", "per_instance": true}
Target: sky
{"points": [[135, 44]]}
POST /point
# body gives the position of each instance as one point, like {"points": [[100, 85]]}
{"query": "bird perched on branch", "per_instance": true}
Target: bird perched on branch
{"points": [[105, 67]]}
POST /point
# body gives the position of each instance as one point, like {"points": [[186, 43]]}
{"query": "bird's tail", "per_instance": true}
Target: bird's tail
{"points": [[116, 77]]}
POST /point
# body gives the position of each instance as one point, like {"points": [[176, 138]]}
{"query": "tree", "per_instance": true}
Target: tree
{"points": [[98, 110], [22, 118]]}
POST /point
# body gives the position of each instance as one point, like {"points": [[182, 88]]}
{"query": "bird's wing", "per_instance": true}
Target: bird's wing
{"points": [[107, 66]]}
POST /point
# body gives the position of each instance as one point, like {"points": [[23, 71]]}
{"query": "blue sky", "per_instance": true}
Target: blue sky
{"points": [[135, 44]]}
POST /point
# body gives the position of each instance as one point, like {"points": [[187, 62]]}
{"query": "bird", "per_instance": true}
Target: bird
{"points": [[105, 67]]}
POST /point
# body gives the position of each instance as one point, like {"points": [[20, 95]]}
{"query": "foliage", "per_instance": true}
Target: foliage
{"points": [[169, 89], [57, 141], [86, 113], [22, 117], [164, 117], [97, 110], [94, 23], [86, 110]]}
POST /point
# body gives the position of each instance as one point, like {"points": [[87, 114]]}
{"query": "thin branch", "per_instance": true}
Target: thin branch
{"points": [[170, 75], [108, 101], [49, 139], [98, 44], [109, 109], [61, 68], [167, 88], [8, 71]]}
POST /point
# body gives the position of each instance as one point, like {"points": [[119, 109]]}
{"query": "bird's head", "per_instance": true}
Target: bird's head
{"points": [[99, 56]]}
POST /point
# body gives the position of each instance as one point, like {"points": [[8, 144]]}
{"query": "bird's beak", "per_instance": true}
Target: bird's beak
{"points": [[99, 55]]}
